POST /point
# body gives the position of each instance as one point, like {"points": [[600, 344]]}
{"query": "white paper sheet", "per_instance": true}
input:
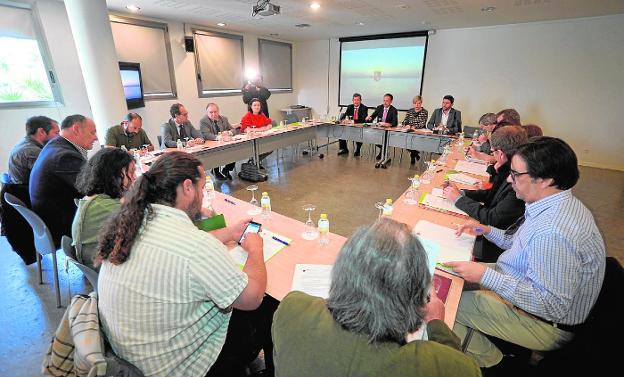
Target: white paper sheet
{"points": [[463, 179], [436, 191], [271, 247], [452, 248], [313, 279], [441, 204], [472, 168]]}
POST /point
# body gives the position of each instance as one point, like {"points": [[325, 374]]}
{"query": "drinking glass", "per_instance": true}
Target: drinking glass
{"points": [[255, 210], [309, 229], [411, 196], [380, 206]]}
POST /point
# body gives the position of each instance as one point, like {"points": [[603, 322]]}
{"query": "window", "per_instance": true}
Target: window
{"points": [[26, 74], [275, 65], [219, 63], [146, 43]]}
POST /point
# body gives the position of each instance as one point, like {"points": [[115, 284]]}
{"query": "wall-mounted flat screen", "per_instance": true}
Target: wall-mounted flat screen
{"points": [[132, 84]]}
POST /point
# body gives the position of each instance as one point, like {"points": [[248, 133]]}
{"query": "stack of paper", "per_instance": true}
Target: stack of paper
{"points": [[463, 179], [472, 168], [313, 279], [440, 204], [273, 243], [451, 247]]}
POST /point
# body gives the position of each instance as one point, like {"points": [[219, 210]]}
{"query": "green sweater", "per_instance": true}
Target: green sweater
{"points": [[308, 342], [92, 214]]}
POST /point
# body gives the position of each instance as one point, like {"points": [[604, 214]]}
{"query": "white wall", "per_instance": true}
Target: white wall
{"points": [[65, 60], [566, 76]]}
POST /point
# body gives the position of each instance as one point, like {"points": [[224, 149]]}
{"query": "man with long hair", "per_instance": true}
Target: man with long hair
{"points": [[166, 289]]}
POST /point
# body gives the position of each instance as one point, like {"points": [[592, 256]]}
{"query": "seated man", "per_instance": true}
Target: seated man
{"points": [[129, 133], [497, 206], [179, 127], [380, 306], [210, 125], [386, 114], [505, 117], [167, 289], [446, 118], [508, 117], [356, 112], [545, 283], [39, 130], [53, 176]]}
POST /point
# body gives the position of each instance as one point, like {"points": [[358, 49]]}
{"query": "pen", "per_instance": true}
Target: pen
{"points": [[229, 201], [437, 171], [280, 240]]}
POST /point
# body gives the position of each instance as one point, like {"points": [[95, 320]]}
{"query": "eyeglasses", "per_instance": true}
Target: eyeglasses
{"points": [[514, 174], [183, 114]]}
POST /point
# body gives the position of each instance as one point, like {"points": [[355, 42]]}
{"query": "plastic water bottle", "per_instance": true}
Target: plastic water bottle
{"points": [[265, 204], [323, 229], [387, 208], [210, 192], [179, 144]]}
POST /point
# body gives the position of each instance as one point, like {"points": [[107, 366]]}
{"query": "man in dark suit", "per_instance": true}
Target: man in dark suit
{"points": [[179, 127], [446, 116], [499, 205], [356, 112], [53, 176], [386, 114]]}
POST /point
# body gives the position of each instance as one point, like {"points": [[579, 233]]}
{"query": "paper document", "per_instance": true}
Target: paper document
{"points": [[313, 279], [437, 192], [463, 179], [271, 247], [472, 168], [440, 204], [452, 248], [433, 250]]}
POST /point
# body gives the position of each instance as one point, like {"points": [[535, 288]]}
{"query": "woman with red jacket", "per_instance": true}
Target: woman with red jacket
{"points": [[256, 120]]}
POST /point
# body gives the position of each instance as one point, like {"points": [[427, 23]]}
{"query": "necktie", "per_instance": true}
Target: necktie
{"points": [[182, 132], [355, 111], [515, 226], [383, 119]]}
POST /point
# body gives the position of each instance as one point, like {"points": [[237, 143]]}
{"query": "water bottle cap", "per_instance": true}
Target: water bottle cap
{"points": [[389, 201], [433, 161], [417, 176], [324, 216], [208, 178], [265, 194]]}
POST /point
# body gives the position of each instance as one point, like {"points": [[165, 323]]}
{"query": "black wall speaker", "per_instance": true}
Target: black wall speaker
{"points": [[188, 44]]}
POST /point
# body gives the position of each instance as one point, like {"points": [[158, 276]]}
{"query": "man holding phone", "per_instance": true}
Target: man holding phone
{"points": [[199, 312]]}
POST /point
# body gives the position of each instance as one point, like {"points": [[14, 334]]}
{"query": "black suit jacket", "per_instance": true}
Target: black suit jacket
{"points": [[454, 122], [51, 187], [498, 207], [392, 117], [362, 113]]}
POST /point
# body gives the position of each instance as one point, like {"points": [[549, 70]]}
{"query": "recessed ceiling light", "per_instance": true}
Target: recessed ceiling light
{"points": [[221, 24], [315, 6], [302, 25], [133, 8], [488, 9], [359, 23]]}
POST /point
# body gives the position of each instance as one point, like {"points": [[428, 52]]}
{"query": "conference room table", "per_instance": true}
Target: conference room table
{"points": [[281, 267]]}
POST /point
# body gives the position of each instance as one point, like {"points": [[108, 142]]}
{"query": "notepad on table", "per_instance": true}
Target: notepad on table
{"points": [[472, 168], [452, 248], [463, 179], [273, 244], [440, 204], [313, 279]]}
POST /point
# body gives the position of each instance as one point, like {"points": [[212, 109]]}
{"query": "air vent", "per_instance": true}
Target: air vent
{"points": [[302, 25]]}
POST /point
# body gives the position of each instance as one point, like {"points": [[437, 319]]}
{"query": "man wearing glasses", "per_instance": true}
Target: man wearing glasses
{"points": [[497, 206], [544, 285], [179, 127]]}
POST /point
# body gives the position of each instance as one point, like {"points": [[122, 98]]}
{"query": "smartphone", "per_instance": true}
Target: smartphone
{"points": [[252, 227]]}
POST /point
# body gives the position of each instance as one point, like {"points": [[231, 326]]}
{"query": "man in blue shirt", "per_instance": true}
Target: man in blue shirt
{"points": [[548, 278]]}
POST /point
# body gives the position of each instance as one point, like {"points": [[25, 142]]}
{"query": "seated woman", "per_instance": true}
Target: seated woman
{"points": [[415, 118], [103, 180], [255, 120], [379, 319]]}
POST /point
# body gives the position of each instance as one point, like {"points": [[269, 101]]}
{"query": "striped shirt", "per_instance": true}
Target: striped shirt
{"points": [[554, 265], [167, 308]]}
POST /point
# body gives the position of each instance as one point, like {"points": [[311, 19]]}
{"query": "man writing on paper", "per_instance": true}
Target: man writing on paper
{"points": [[497, 206], [545, 283], [356, 112], [167, 289]]}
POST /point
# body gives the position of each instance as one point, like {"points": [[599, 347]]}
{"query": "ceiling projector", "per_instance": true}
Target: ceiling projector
{"points": [[266, 9]]}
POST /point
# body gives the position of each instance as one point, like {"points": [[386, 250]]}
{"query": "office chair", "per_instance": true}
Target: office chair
{"points": [[70, 253], [43, 240]]}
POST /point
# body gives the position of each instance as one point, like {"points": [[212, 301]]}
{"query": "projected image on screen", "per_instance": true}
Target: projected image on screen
{"points": [[375, 67], [131, 84]]}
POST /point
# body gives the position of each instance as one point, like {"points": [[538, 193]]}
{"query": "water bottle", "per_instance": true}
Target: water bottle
{"points": [[387, 208], [210, 192], [137, 162], [265, 204], [323, 229], [179, 144], [475, 138]]}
